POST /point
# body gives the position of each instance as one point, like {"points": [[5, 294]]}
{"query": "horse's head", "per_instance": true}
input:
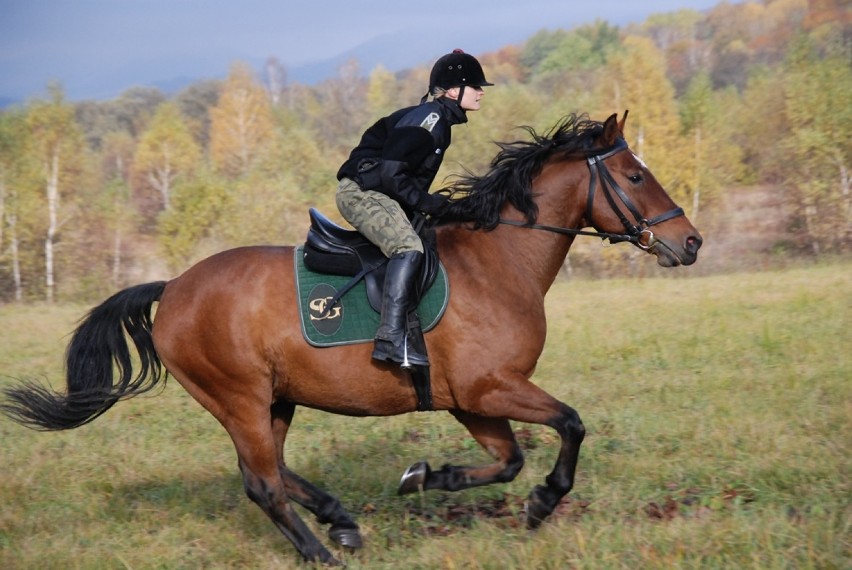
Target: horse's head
{"points": [[623, 202], [625, 198]]}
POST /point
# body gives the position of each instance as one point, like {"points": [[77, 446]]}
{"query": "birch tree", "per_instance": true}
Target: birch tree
{"points": [[819, 104], [57, 143], [711, 134], [15, 176], [637, 82], [166, 152], [117, 155], [241, 128]]}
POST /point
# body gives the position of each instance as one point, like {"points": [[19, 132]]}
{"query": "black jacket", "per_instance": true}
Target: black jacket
{"points": [[401, 154]]}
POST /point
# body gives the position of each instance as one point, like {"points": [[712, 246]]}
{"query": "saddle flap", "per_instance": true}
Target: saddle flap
{"points": [[334, 250]]}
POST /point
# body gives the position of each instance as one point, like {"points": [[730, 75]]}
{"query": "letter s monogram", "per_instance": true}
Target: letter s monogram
{"points": [[317, 307]]}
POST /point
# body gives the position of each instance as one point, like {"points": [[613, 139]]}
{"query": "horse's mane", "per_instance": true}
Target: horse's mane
{"points": [[479, 199]]}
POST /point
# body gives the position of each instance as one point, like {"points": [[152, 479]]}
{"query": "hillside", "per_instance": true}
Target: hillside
{"points": [[744, 106]]}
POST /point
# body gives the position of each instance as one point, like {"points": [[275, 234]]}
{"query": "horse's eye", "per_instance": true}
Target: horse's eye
{"points": [[635, 179]]}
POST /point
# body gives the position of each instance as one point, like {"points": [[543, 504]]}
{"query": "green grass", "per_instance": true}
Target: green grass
{"points": [[718, 412]]}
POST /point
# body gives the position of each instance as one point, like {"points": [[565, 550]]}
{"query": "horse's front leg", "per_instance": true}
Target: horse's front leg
{"points": [[544, 498], [495, 436], [513, 398]]}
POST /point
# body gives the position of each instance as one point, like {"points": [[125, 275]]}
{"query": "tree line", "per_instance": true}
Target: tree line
{"points": [[95, 195]]}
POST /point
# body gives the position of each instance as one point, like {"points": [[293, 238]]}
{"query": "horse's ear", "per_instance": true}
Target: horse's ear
{"points": [[622, 121], [612, 130]]}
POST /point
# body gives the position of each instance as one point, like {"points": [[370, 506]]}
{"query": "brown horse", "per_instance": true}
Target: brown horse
{"points": [[228, 330]]}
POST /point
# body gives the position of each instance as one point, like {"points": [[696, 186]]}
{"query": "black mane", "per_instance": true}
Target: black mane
{"points": [[478, 199]]}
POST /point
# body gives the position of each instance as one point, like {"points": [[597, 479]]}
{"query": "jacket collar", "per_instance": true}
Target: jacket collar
{"points": [[455, 114]]}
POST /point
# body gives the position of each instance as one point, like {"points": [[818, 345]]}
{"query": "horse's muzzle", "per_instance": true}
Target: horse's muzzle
{"points": [[669, 255]]}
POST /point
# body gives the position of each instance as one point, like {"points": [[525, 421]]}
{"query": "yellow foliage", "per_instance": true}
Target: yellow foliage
{"points": [[241, 125]]}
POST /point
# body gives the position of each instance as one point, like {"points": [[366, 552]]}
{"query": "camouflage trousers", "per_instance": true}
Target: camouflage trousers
{"points": [[377, 217]]}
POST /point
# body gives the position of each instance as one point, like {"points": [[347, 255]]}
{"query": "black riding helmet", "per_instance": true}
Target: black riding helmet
{"points": [[456, 69]]}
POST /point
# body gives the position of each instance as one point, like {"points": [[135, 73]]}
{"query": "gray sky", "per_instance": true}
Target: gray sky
{"points": [[99, 48]]}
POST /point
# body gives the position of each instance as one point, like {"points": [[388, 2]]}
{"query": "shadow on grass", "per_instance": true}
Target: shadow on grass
{"points": [[220, 500]]}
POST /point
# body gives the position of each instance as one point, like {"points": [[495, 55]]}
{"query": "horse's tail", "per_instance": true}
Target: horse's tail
{"points": [[92, 387]]}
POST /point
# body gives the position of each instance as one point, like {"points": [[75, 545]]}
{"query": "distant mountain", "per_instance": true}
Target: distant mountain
{"points": [[406, 49], [418, 45], [395, 51]]}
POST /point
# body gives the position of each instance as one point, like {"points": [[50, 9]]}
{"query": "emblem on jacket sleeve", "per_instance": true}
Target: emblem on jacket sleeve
{"points": [[430, 121]]}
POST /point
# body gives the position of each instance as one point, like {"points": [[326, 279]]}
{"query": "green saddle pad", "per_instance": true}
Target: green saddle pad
{"points": [[353, 320]]}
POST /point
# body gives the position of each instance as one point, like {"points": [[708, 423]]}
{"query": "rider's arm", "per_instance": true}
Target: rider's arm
{"points": [[405, 151]]}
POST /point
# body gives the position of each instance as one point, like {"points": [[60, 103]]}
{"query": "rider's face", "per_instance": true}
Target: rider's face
{"points": [[471, 97]]}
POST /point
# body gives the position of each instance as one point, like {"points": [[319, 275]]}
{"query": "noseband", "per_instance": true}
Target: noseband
{"points": [[633, 232]]}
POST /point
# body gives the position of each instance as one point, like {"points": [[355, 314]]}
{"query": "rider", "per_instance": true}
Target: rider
{"points": [[386, 180]]}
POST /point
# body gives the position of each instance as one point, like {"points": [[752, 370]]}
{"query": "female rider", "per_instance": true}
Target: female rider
{"points": [[386, 180]]}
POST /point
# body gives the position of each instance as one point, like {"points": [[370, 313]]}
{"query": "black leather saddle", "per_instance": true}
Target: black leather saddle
{"points": [[332, 249]]}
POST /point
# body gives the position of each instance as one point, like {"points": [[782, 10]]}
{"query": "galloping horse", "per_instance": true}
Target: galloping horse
{"points": [[228, 330]]}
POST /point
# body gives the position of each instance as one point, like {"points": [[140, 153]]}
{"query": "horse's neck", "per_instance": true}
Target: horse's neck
{"points": [[535, 255], [525, 259]]}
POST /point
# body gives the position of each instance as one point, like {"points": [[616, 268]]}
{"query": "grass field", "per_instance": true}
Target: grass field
{"points": [[718, 412]]}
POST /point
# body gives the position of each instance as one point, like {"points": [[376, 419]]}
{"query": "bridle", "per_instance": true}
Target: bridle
{"points": [[634, 233]]}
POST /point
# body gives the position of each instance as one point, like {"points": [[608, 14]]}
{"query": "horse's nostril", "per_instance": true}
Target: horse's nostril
{"points": [[693, 243]]}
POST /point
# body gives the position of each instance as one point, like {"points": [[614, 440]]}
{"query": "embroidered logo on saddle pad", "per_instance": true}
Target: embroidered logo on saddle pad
{"points": [[352, 320]]}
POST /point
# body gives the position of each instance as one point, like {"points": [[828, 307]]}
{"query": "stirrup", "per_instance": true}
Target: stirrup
{"points": [[407, 359], [405, 364]]}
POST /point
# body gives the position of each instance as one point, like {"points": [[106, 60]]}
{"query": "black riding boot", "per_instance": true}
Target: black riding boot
{"points": [[392, 342]]}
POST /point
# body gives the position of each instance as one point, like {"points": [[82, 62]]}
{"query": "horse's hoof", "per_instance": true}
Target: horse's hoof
{"points": [[536, 509], [414, 478], [346, 537]]}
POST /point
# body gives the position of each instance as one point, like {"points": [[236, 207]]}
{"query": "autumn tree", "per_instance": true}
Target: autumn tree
{"points": [[241, 126], [116, 160], [166, 152], [709, 127], [504, 66], [195, 102], [17, 176], [197, 207], [505, 109], [637, 82], [276, 80], [381, 89], [302, 166], [342, 113], [584, 48], [761, 124], [539, 46], [819, 148], [57, 144], [676, 34]]}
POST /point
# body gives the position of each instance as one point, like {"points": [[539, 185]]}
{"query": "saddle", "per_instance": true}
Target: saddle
{"points": [[331, 249], [334, 250]]}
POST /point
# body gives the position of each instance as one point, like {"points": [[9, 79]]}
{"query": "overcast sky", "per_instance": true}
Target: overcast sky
{"points": [[98, 48]]}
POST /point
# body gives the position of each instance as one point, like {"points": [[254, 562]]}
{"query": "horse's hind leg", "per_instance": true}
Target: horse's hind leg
{"points": [[258, 461], [493, 434], [344, 531]]}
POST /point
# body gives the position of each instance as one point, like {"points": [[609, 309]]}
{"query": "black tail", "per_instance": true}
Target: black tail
{"points": [[97, 343]]}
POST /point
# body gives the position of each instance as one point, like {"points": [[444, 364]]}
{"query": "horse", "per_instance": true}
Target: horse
{"points": [[227, 330]]}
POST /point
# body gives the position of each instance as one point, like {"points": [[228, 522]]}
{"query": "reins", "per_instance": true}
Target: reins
{"points": [[634, 232]]}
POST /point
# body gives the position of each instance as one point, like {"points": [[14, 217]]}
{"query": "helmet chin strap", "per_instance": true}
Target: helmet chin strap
{"points": [[461, 95]]}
